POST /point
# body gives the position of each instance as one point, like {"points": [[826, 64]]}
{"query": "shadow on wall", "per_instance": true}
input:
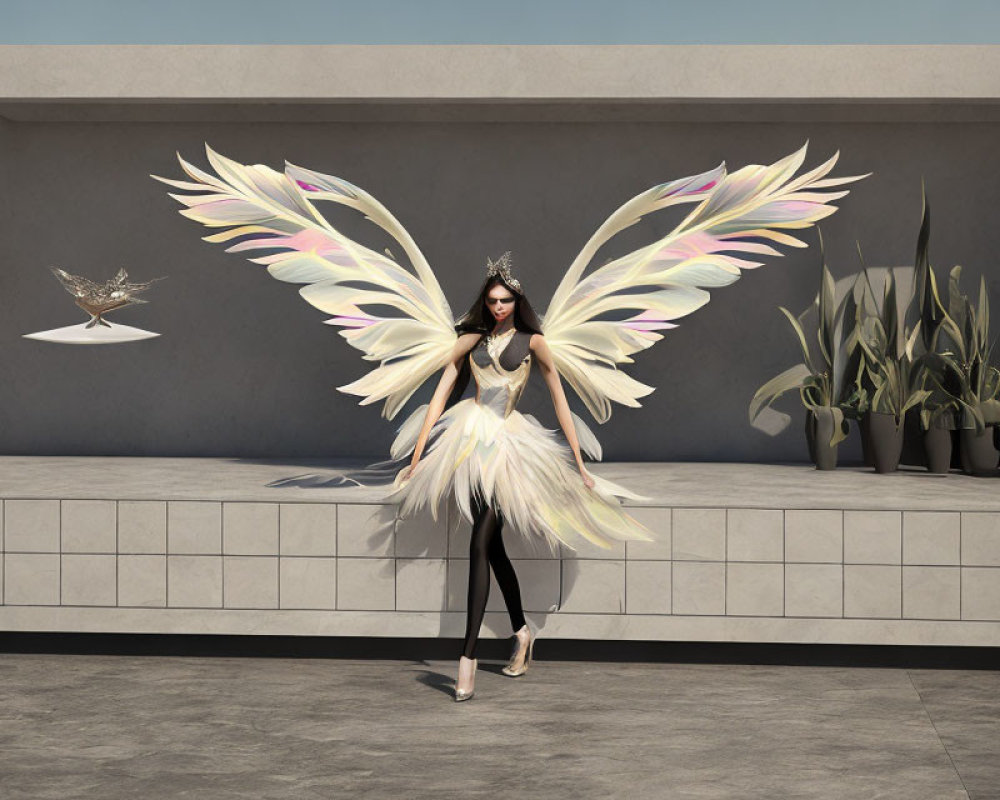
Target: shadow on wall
{"points": [[430, 566]]}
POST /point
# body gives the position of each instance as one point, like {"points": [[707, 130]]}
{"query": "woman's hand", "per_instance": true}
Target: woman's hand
{"points": [[588, 481], [404, 474]]}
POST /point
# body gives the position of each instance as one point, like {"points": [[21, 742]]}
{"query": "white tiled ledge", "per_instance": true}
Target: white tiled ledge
{"points": [[803, 570]]}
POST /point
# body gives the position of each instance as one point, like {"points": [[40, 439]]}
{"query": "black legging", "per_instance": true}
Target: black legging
{"points": [[486, 550]]}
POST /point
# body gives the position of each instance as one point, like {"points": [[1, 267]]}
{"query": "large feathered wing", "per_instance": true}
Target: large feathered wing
{"points": [[262, 209], [587, 325]]}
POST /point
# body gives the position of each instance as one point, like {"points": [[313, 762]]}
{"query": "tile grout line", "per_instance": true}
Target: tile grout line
{"points": [[447, 557], [843, 561], [930, 719], [725, 569], [501, 611], [336, 550], [562, 583], [395, 564], [784, 560], [166, 554], [60, 550], [961, 535], [117, 548], [277, 599], [222, 551], [902, 560], [671, 561], [623, 606]]}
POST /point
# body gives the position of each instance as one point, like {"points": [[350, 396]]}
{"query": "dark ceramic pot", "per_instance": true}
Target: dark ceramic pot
{"points": [[867, 451], [937, 446], [819, 431], [811, 435], [979, 456], [914, 451], [887, 441]]}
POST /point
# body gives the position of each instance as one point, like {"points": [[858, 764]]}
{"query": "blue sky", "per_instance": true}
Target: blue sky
{"points": [[499, 22]]}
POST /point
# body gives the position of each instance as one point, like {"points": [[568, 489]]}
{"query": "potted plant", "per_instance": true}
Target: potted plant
{"points": [[938, 418], [939, 412], [889, 365], [959, 367], [857, 390], [816, 379]]}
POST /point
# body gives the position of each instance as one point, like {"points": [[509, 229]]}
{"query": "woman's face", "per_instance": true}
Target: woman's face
{"points": [[500, 302]]}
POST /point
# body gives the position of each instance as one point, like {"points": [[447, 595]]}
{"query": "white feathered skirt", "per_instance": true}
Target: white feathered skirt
{"points": [[524, 470]]}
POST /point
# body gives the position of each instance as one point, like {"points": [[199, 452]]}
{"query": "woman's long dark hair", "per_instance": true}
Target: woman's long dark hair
{"points": [[478, 319]]}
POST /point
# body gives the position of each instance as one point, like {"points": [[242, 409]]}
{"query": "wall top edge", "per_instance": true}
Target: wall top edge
{"points": [[497, 72], [496, 48]]}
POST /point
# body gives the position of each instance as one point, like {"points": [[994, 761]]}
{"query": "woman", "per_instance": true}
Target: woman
{"points": [[499, 466], [483, 449]]}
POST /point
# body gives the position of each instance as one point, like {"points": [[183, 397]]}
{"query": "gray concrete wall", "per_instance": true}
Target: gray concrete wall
{"points": [[245, 367], [509, 72]]}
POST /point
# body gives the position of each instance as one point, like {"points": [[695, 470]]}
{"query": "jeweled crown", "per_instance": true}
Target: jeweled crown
{"points": [[501, 267]]}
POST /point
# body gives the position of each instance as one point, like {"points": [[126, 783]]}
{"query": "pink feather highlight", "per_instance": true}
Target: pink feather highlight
{"points": [[351, 322], [648, 321], [304, 241]]}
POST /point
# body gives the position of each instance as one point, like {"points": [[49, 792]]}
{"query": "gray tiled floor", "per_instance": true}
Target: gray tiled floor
{"points": [[121, 727]]}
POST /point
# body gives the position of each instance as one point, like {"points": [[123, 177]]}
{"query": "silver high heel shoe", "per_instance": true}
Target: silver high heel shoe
{"points": [[522, 655], [461, 694]]}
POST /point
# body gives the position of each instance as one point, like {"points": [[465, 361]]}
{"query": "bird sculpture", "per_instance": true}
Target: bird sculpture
{"points": [[98, 299]]}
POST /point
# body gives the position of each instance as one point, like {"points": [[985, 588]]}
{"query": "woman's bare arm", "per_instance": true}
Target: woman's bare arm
{"points": [[434, 410], [548, 369]]}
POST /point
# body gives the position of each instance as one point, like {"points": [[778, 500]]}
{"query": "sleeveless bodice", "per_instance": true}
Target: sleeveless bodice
{"points": [[501, 375]]}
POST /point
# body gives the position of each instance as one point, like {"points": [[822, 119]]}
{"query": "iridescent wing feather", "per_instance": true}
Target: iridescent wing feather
{"points": [[741, 214], [262, 209]]}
